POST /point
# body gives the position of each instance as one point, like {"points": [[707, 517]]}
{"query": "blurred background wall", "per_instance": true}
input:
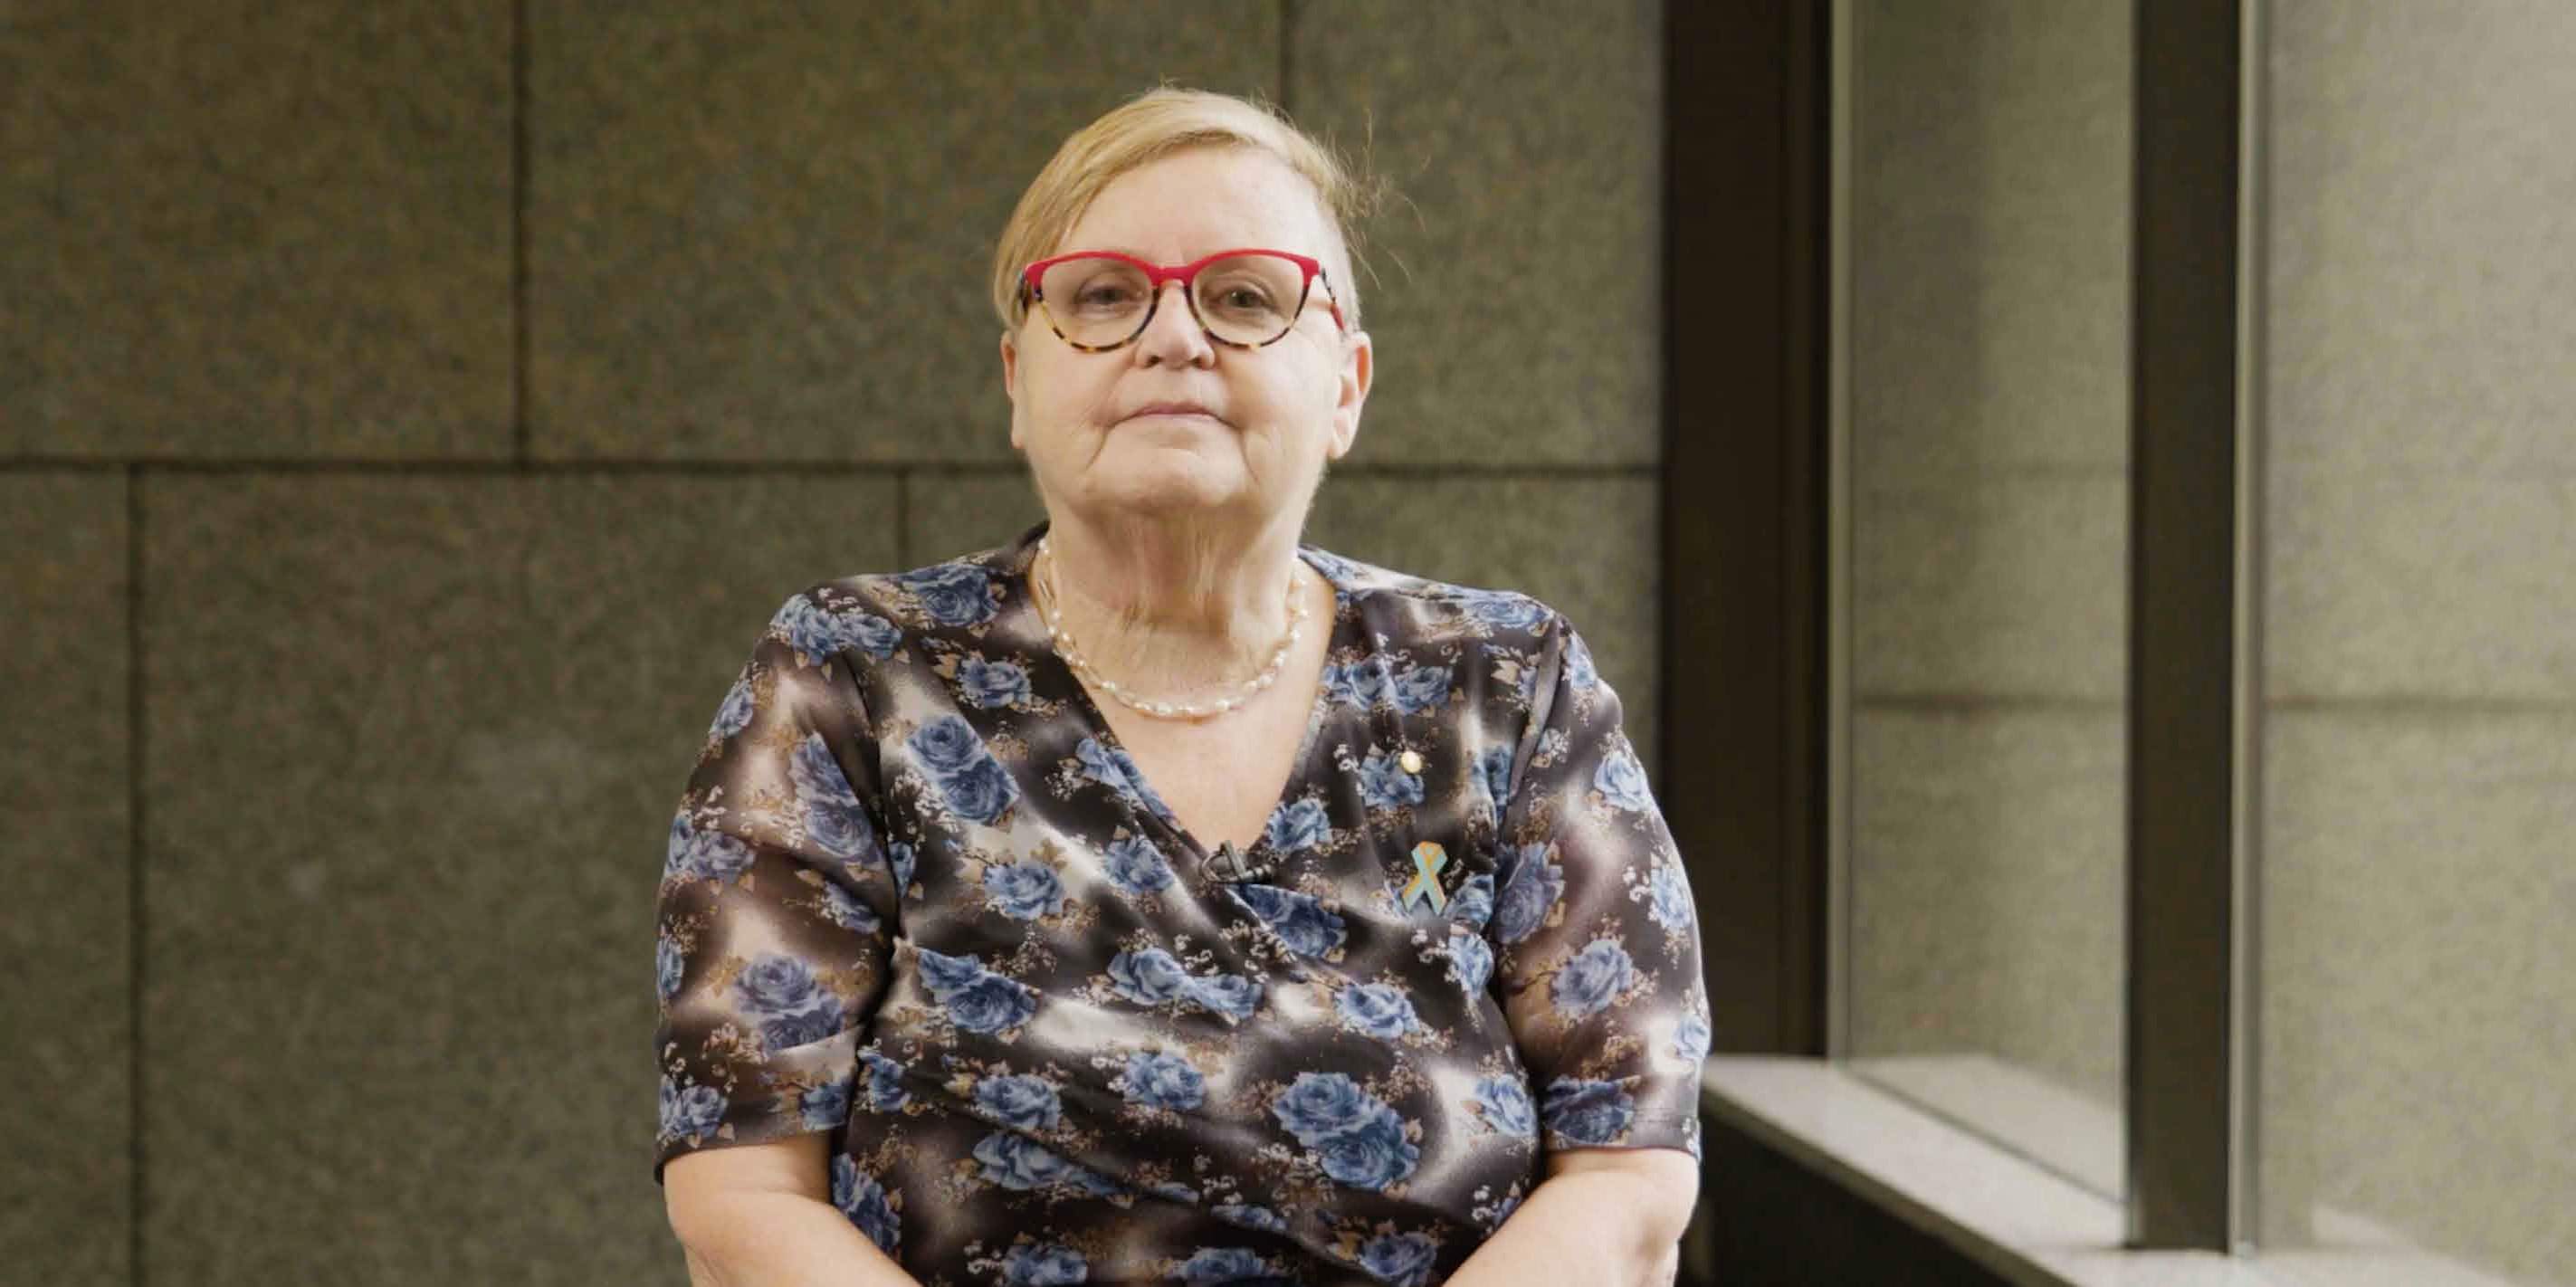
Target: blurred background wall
{"points": [[1988, 522], [409, 414], [2415, 390], [2417, 999]]}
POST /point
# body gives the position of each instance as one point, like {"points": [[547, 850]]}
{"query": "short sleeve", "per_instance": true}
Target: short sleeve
{"points": [[778, 903], [1596, 942]]}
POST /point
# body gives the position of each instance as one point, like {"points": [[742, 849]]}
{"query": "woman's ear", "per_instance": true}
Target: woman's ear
{"points": [[1358, 361], [1011, 386]]}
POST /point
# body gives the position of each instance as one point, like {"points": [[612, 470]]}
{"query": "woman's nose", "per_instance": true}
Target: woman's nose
{"points": [[1173, 335]]}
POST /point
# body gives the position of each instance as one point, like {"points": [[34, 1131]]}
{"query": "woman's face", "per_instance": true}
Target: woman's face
{"points": [[1281, 410]]}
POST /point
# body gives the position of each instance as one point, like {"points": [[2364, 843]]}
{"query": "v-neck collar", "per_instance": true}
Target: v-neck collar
{"points": [[1346, 631]]}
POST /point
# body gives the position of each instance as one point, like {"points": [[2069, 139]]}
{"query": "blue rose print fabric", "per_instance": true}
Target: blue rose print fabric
{"points": [[917, 897]]}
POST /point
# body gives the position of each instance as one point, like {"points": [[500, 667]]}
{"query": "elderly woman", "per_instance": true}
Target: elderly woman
{"points": [[1156, 897]]}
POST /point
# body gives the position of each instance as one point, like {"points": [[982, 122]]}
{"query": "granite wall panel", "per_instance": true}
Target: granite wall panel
{"points": [[1516, 295], [2006, 588], [948, 512], [66, 1210], [245, 229], [1990, 241], [762, 231], [2422, 200], [1988, 389], [2420, 585], [2419, 683], [1987, 897], [2419, 878], [413, 744]]}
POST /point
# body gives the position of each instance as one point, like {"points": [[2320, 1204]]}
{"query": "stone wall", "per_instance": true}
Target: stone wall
{"points": [[410, 412]]}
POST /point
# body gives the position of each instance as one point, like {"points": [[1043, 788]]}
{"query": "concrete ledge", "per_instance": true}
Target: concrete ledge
{"points": [[2025, 1221], [2009, 1214]]}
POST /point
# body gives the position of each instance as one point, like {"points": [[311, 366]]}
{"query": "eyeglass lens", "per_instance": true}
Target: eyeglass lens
{"points": [[1245, 299]]}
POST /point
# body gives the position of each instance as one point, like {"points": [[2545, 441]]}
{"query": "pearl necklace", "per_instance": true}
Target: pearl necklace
{"points": [[1072, 654]]}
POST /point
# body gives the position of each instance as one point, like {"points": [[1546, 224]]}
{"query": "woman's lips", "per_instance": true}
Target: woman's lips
{"points": [[1174, 415]]}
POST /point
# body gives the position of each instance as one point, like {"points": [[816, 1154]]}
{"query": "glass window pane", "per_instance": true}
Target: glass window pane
{"points": [[2418, 887], [1987, 378]]}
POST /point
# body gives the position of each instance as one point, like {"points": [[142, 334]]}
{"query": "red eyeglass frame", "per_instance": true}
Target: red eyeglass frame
{"points": [[1158, 274]]}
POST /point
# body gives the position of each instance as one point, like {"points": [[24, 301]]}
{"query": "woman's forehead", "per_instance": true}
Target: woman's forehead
{"points": [[1196, 202]]}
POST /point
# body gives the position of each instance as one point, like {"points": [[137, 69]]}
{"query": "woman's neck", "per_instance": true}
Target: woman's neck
{"points": [[1171, 613]]}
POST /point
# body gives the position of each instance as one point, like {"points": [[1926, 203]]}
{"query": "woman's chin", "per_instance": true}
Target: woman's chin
{"points": [[1174, 502], [1163, 479]]}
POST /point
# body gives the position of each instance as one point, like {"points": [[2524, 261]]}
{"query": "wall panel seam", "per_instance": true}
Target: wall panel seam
{"points": [[134, 858], [521, 435]]}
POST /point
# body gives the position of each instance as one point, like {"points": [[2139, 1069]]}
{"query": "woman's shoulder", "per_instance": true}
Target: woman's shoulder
{"points": [[871, 613], [1427, 605]]}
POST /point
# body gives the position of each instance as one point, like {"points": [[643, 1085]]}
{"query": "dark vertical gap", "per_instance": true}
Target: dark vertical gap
{"points": [[2182, 611], [1805, 315], [520, 433], [1287, 26], [1741, 500], [134, 857], [2274, 1195]]}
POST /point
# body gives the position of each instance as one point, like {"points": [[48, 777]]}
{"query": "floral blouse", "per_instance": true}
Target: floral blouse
{"points": [[919, 898]]}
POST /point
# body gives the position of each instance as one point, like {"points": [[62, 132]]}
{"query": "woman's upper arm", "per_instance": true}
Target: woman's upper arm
{"points": [[777, 909], [1597, 953]]}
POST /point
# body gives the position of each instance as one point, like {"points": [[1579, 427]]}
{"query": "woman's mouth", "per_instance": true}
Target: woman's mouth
{"points": [[1173, 418], [1174, 410]]}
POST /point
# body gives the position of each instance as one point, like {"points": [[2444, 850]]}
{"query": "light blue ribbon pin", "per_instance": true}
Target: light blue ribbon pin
{"points": [[1428, 859]]}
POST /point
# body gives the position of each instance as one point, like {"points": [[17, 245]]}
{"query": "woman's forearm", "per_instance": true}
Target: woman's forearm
{"points": [[1590, 1227], [767, 1239]]}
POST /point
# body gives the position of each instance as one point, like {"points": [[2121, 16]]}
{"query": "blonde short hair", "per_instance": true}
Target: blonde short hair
{"points": [[1153, 125]]}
